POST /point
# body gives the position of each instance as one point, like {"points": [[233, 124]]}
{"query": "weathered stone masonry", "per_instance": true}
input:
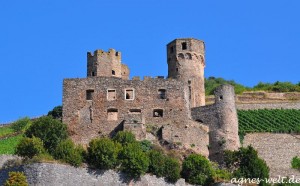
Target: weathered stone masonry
{"points": [[107, 101]]}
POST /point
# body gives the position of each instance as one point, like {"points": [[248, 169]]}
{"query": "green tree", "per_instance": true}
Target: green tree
{"points": [[21, 124], [171, 169], [124, 137], [245, 163], [56, 112], [68, 152], [134, 161], [103, 153], [49, 130], [196, 169], [16, 179], [30, 147]]}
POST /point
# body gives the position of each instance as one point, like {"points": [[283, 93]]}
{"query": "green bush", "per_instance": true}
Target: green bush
{"points": [[146, 145], [49, 130], [56, 113], [124, 137], [30, 147], [103, 153], [21, 124], [171, 169], [196, 169], [16, 179], [68, 152], [245, 163], [295, 162], [134, 161]]}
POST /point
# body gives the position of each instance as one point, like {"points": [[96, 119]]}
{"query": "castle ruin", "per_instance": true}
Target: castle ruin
{"points": [[107, 101]]}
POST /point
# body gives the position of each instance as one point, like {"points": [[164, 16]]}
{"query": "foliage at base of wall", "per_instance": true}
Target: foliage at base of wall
{"points": [[16, 179]]}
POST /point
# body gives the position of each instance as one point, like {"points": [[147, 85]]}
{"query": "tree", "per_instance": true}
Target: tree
{"points": [[196, 169], [30, 147], [16, 179], [124, 137], [103, 153], [49, 130], [134, 161], [68, 152], [245, 163], [56, 112], [21, 124]]}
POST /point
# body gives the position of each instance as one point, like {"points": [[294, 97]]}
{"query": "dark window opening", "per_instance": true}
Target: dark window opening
{"points": [[93, 73], [190, 92], [221, 97], [176, 69], [158, 113], [89, 94], [117, 53], [135, 111], [162, 94], [199, 120], [113, 72], [183, 46], [171, 49]]}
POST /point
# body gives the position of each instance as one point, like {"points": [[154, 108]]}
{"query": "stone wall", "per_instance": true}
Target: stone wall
{"points": [[47, 174], [103, 111], [277, 150]]}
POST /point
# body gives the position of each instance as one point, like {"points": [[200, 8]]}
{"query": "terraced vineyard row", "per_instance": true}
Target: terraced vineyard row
{"points": [[273, 120]]}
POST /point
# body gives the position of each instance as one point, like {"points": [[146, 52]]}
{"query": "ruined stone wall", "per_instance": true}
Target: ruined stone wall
{"points": [[41, 174], [104, 112], [277, 150], [102, 63], [222, 120]]}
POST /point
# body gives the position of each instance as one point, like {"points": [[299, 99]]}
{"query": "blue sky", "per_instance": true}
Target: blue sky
{"points": [[42, 42]]}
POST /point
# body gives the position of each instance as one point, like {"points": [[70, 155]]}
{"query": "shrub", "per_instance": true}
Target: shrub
{"points": [[245, 163], [124, 137], [56, 113], [49, 130], [196, 169], [29, 147], [103, 153], [171, 169], [156, 162], [295, 162], [68, 152], [134, 161], [16, 179], [146, 145], [21, 124]]}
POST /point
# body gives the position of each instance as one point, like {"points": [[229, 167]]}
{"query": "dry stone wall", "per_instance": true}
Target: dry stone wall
{"points": [[277, 150]]}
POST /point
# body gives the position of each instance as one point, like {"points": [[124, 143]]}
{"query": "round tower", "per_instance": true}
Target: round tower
{"points": [[224, 134], [186, 62]]}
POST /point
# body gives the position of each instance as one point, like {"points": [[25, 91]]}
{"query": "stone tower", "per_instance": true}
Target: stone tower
{"points": [[106, 64], [224, 134], [186, 62]]}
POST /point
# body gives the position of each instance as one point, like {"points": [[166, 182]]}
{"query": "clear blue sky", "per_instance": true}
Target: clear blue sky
{"points": [[42, 42]]}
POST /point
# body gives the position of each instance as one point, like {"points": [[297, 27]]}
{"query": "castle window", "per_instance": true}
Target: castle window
{"points": [[171, 49], [183, 46], [221, 98], [117, 53], [93, 73], [89, 94], [135, 111], [113, 72], [158, 113], [162, 94], [111, 94], [112, 114], [190, 93], [176, 69], [129, 94]]}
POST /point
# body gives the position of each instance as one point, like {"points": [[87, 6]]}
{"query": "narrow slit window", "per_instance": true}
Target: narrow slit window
{"points": [[135, 111], [129, 94], [171, 49], [113, 72], [183, 46], [93, 73], [89, 94], [162, 94], [111, 94], [158, 113]]}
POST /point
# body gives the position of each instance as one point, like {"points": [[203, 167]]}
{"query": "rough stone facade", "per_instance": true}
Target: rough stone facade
{"points": [[277, 150], [107, 101]]}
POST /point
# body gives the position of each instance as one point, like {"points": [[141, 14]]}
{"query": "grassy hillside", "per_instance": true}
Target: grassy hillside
{"points": [[263, 120], [8, 140]]}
